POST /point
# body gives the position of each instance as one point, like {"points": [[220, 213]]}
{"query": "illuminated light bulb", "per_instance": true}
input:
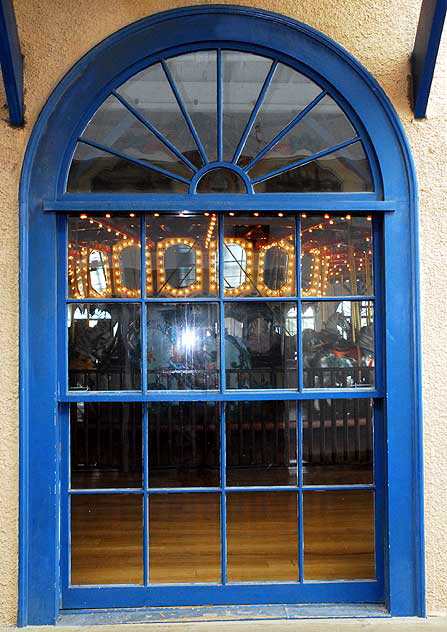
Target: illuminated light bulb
{"points": [[303, 215], [108, 215], [91, 221], [156, 214], [348, 217], [83, 216], [326, 216], [280, 214], [369, 218], [117, 234], [256, 214]]}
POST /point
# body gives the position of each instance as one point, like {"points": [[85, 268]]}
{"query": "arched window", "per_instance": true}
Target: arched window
{"points": [[219, 320]]}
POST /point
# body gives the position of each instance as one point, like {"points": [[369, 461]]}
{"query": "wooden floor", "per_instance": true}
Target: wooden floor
{"points": [[184, 537]]}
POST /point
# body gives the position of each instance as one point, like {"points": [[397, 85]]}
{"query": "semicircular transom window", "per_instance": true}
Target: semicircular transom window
{"points": [[219, 122]]}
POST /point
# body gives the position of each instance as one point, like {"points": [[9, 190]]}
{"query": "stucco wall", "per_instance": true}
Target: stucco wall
{"points": [[380, 34]]}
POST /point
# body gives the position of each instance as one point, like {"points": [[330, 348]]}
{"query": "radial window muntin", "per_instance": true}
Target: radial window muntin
{"points": [[292, 177]]}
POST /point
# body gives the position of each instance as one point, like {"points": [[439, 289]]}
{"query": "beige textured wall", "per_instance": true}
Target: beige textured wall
{"points": [[380, 34]]}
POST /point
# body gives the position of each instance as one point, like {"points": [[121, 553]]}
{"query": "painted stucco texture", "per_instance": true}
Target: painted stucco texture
{"points": [[55, 34]]}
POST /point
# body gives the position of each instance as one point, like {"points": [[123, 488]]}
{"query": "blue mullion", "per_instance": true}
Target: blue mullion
{"points": [[143, 316], [95, 491], [317, 299], [65, 503], [255, 111], [380, 496], [216, 396], [259, 299], [299, 464], [154, 130], [379, 312], [299, 302], [305, 161], [300, 537], [62, 307], [106, 299], [219, 105], [136, 161], [220, 266], [182, 299], [223, 496], [145, 442], [286, 129], [184, 111]]}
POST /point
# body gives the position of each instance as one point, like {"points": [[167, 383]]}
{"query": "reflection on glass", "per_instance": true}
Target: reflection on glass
{"points": [[337, 441], [221, 180], [184, 445], [104, 348], [184, 250], [96, 171], [259, 255], [115, 127], [261, 443], [336, 255], [323, 127], [260, 347], [182, 346], [104, 256], [149, 92], [289, 93], [262, 536], [107, 539], [195, 75], [338, 535], [184, 538], [338, 344], [243, 75], [345, 170], [105, 445]]}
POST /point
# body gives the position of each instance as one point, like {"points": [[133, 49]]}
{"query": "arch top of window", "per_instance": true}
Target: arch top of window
{"points": [[221, 121]]}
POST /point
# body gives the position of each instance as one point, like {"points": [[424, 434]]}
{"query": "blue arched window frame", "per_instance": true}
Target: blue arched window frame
{"points": [[42, 200]]}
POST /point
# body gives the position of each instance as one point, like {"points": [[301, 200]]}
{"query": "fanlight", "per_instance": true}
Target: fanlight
{"points": [[166, 131]]}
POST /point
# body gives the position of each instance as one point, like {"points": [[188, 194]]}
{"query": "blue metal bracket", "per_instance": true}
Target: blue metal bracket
{"points": [[11, 62], [425, 52]]}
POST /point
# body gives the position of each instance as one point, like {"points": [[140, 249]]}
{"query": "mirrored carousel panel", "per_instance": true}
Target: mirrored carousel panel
{"points": [[104, 346], [338, 344], [104, 256], [337, 441], [183, 346], [181, 255], [336, 255], [259, 254], [261, 345]]}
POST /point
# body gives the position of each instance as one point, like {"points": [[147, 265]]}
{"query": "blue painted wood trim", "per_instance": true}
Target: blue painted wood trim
{"points": [[425, 52], [80, 92], [11, 62]]}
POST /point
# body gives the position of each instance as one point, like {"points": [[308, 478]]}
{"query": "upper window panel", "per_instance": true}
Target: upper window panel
{"points": [[219, 121]]}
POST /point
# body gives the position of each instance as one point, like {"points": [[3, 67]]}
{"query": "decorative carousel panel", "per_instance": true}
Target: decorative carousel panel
{"points": [[219, 122], [259, 254], [104, 256], [183, 248], [336, 255], [338, 344]]}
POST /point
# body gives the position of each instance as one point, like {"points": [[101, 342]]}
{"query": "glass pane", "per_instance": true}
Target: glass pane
{"points": [[343, 171], [338, 344], [104, 256], [262, 537], [105, 445], [195, 76], [289, 93], [336, 255], [261, 443], [96, 171], [338, 535], [184, 538], [150, 93], [260, 345], [259, 255], [243, 75], [337, 441], [221, 180], [182, 254], [104, 349], [114, 126], [107, 539], [183, 346], [184, 445], [323, 127]]}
